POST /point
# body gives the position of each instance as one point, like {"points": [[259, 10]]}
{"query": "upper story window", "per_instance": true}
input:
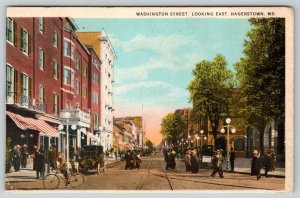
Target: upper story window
{"points": [[9, 79], [42, 59], [66, 77], [66, 48], [55, 103], [42, 24], [24, 85], [77, 86], [72, 50], [84, 91], [72, 79], [77, 62], [95, 78], [10, 30], [95, 120], [55, 69], [95, 97], [54, 38], [24, 40], [41, 94], [84, 71]]}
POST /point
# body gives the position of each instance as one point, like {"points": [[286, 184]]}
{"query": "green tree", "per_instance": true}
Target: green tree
{"points": [[209, 91], [172, 127], [261, 74], [149, 144]]}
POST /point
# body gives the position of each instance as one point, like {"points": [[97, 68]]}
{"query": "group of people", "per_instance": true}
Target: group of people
{"points": [[132, 159], [18, 157], [259, 162], [170, 156], [191, 162]]}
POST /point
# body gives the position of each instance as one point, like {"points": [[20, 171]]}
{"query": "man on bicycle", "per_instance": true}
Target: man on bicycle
{"points": [[63, 168]]}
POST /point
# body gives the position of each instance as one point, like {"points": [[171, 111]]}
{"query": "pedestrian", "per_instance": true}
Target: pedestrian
{"points": [[253, 163], [187, 159], [116, 155], [53, 158], [194, 162], [127, 159], [9, 160], [172, 162], [35, 153], [217, 164], [167, 159], [267, 162], [63, 168], [101, 164], [257, 164], [138, 161], [40, 164], [273, 157], [132, 160], [16, 158], [232, 158], [24, 156]]}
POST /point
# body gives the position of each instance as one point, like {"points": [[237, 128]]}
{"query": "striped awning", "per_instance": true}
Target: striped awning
{"points": [[34, 124]]}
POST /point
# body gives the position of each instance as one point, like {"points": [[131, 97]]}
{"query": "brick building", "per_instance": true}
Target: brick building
{"points": [[50, 79]]}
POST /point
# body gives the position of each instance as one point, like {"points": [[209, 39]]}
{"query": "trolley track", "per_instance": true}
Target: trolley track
{"points": [[148, 172]]}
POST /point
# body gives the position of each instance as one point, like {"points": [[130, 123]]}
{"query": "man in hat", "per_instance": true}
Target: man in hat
{"points": [[268, 162], [63, 167], [17, 157], [40, 164], [194, 162], [24, 156], [232, 158], [253, 163], [187, 159], [217, 164]]}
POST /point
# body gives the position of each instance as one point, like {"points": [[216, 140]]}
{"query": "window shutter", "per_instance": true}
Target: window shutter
{"points": [[29, 44], [44, 30], [21, 39], [16, 79], [53, 102], [44, 57], [29, 87], [52, 70], [43, 95], [58, 107], [21, 84], [15, 34], [57, 70]]}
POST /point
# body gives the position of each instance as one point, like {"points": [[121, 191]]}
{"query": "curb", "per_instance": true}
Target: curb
{"points": [[246, 173]]}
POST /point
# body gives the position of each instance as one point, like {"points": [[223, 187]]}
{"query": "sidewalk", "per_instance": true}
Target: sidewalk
{"points": [[243, 166], [29, 175]]}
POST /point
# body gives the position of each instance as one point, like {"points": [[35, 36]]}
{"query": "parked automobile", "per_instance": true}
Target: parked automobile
{"points": [[90, 157]]}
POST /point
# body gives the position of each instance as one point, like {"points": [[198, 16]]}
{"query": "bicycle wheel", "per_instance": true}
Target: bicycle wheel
{"points": [[76, 180], [51, 182]]}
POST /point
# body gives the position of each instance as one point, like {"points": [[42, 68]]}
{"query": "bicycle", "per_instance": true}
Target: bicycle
{"points": [[52, 180]]}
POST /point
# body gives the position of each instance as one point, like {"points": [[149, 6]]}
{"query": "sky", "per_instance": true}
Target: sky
{"points": [[155, 59]]}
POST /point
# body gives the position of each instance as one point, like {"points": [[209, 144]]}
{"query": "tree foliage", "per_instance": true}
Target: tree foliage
{"points": [[172, 127], [209, 91], [149, 144], [261, 74]]}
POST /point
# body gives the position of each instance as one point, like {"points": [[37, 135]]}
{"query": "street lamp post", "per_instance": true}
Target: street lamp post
{"points": [[228, 121], [66, 116], [202, 136]]}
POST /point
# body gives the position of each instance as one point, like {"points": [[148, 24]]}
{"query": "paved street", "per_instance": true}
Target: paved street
{"points": [[152, 176]]}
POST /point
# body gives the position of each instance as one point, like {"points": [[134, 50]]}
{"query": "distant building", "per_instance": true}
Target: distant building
{"points": [[103, 47]]}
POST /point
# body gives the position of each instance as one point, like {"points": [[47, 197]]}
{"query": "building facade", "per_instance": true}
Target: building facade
{"points": [[103, 47], [52, 83]]}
